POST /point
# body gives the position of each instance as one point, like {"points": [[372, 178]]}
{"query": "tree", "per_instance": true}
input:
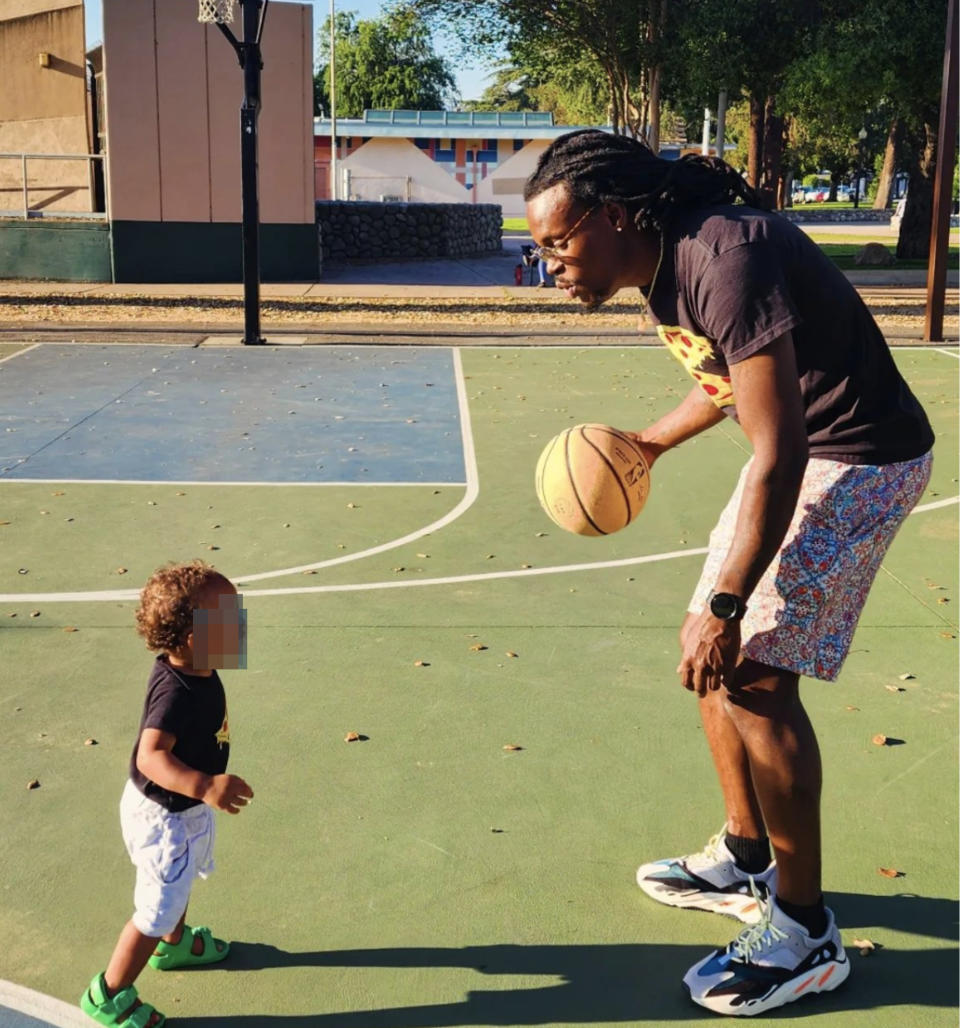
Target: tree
{"points": [[621, 38], [575, 95], [881, 63], [388, 63], [748, 48]]}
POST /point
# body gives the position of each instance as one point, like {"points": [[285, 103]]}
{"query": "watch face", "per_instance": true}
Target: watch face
{"points": [[724, 605]]}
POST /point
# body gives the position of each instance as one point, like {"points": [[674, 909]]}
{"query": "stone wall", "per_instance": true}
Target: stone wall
{"points": [[361, 231], [806, 216]]}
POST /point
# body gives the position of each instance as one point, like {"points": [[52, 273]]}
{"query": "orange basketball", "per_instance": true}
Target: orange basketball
{"points": [[592, 480]]}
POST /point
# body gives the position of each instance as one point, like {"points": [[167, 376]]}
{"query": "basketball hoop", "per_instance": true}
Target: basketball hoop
{"points": [[216, 12]]}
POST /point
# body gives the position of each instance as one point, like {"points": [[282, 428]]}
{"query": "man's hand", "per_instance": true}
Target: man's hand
{"points": [[228, 793], [710, 652]]}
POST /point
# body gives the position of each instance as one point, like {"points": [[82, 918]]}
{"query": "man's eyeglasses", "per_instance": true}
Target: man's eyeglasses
{"points": [[546, 252]]}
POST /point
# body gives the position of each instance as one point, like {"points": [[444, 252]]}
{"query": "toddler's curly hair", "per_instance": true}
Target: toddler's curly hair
{"points": [[167, 601]]}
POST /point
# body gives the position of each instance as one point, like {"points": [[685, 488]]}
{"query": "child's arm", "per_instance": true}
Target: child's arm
{"points": [[155, 760]]}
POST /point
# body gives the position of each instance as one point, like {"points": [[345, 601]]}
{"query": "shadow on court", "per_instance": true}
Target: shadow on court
{"points": [[616, 983]]}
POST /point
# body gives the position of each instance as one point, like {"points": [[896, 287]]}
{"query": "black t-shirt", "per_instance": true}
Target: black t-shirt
{"points": [[194, 709], [734, 279]]}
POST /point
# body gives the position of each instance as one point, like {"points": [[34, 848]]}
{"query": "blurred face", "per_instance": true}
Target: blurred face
{"points": [[219, 638], [583, 249]]}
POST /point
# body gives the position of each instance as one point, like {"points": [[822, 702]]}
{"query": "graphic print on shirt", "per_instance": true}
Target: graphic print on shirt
{"points": [[694, 352], [223, 736]]}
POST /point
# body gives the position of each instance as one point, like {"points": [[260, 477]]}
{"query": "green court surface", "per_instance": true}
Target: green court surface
{"points": [[426, 875]]}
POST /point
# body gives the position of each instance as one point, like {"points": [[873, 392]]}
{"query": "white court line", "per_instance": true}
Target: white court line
{"points": [[948, 353], [273, 485], [45, 1009], [469, 496], [19, 353], [559, 569]]}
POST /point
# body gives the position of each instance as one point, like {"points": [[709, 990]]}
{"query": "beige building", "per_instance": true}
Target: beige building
{"points": [[43, 107]]}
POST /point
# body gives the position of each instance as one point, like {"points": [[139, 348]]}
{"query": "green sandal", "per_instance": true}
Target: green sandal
{"points": [[167, 956], [109, 1010]]}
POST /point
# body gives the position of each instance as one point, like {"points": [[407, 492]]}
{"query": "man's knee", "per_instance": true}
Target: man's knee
{"points": [[761, 691]]}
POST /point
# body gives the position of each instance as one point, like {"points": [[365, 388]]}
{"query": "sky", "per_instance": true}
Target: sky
{"points": [[471, 78]]}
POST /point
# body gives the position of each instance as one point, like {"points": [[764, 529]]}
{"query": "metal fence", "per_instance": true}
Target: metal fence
{"points": [[56, 187]]}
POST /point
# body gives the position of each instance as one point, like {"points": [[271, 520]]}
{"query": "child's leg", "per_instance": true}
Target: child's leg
{"points": [[130, 956], [177, 934]]}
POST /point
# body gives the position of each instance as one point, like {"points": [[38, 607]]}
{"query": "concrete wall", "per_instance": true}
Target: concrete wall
{"points": [[62, 251], [43, 109], [173, 94], [505, 185], [399, 168]]}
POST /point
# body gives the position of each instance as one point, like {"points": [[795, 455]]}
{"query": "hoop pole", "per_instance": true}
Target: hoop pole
{"points": [[250, 60]]}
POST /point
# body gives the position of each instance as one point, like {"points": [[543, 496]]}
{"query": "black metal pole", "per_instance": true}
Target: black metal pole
{"points": [[251, 62]]}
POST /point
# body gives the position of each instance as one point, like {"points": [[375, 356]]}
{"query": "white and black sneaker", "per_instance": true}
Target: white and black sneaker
{"points": [[772, 963], [709, 880]]}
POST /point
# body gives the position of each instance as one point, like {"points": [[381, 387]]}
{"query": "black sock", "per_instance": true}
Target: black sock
{"points": [[813, 918], [751, 855]]}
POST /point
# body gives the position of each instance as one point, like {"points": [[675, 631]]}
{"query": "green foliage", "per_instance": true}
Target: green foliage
{"points": [[388, 63]]}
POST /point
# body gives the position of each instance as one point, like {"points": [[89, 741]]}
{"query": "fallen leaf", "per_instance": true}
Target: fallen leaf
{"points": [[34, 613], [889, 872], [401, 568], [510, 653], [894, 688], [121, 571], [60, 493], [90, 742], [879, 740], [512, 746], [943, 599], [352, 737], [852, 708], [352, 506], [70, 628], [34, 783], [312, 571], [23, 571], [4, 522], [866, 946], [906, 677], [476, 647], [947, 635]]}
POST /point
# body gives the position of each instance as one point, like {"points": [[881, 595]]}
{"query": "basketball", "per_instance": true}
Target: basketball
{"points": [[592, 480]]}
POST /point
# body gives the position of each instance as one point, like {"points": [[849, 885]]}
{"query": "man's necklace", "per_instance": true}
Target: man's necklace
{"points": [[645, 297]]}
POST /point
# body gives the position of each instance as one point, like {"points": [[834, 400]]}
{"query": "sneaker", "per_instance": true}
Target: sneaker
{"points": [[709, 880], [770, 964]]}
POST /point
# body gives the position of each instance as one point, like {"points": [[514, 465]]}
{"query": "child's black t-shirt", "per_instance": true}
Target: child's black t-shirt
{"points": [[194, 709]]}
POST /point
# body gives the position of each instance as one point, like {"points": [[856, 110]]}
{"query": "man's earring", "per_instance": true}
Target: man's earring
{"points": [[619, 228]]}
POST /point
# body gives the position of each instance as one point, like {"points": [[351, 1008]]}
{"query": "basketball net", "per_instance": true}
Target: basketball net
{"points": [[218, 12]]}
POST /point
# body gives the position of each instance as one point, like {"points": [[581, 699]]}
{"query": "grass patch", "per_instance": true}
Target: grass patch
{"points": [[844, 254]]}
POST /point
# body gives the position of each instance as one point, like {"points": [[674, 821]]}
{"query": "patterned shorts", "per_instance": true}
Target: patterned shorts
{"points": [[802, 615]]}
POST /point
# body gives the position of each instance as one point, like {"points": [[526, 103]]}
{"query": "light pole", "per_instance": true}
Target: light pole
{"points": [[333, 104], [861, 136]]}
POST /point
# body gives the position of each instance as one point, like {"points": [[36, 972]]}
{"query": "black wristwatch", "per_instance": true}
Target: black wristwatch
{"points": [[726, 606]]}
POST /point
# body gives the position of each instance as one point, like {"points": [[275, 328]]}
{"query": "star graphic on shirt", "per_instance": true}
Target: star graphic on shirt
{"points": [[223, 736]]}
